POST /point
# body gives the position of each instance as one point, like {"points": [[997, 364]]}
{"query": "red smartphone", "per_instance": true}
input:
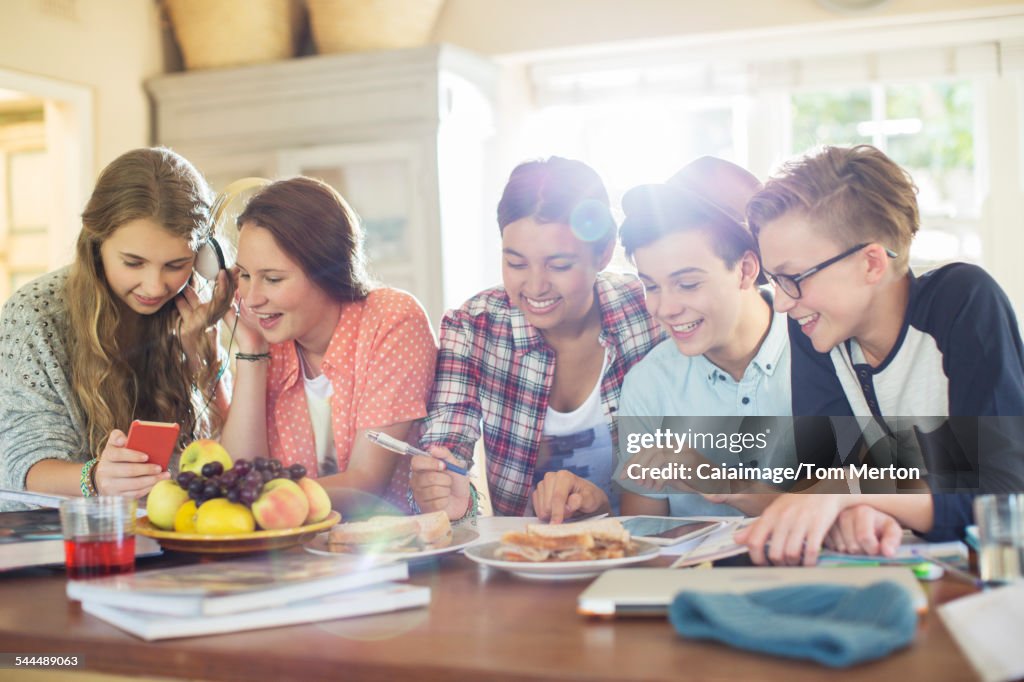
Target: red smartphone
{"points": [[156, 439]]}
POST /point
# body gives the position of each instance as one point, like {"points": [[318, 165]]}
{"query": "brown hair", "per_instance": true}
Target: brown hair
{"points": [[317, 228], [562, 191], [115, 379], [856, 194]]}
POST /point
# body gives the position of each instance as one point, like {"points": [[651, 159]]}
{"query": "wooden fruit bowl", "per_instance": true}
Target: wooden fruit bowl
{"points": [[241, 543]]}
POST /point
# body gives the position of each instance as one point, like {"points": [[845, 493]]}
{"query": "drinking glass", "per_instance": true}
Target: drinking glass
{"points": [[1000, 520], [99, 536]]}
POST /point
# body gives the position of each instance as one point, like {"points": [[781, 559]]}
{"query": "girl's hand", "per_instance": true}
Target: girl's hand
{"points": [[195, 316], [560, 494], [433, 488], [125, 472], [245, 328]]}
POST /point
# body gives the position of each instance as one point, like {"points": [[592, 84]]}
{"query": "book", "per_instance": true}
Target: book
{"points": [[359, 602], [224, 587], [33, 538]]}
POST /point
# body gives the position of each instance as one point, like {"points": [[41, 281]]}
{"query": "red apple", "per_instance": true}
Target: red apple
{"points": [[319, 502], [281, 504]]}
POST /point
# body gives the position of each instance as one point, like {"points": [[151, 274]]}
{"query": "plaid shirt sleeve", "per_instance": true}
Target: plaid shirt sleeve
{"points": [[453, 411]]}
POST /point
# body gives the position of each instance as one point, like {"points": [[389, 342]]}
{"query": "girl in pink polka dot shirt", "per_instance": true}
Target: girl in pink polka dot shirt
{"points": [[323, 357]]}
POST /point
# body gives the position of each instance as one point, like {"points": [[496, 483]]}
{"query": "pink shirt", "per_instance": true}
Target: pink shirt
{"points": [[380, 363]]}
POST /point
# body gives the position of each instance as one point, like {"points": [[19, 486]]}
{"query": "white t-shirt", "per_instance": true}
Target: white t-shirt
{"points": [[580, 442], [318, 397]]}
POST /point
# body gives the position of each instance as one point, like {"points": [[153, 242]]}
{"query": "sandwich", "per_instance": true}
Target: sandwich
{"points": [[390, 534], [581, 541], [435, 530]]}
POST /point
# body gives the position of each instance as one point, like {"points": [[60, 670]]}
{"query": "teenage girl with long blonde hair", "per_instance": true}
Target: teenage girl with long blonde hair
{"points": [[120, 334]]}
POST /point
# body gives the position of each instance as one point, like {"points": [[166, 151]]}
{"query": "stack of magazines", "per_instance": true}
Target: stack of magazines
{"points": [[246, 594]]}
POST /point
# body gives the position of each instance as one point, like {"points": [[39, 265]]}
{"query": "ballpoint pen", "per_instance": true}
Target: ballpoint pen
{"points": [[950, 569], [394, 445]]}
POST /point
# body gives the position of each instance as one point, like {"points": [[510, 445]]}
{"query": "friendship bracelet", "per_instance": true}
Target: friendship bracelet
{"points": [[473, 510], [88, 483], [252, 357]]}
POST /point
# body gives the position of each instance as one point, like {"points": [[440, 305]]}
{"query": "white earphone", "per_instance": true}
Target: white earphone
{"points": [[211, 257]]}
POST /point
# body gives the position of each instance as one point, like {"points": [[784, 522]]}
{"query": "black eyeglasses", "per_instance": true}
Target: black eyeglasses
{"points": [[790, 284]]}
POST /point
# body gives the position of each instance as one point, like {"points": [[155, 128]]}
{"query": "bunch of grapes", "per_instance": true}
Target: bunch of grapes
{"points": [[241, 483]]}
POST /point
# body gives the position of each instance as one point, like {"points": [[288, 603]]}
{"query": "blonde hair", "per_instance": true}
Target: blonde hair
{"points": [[117, 379], [856, 194]]}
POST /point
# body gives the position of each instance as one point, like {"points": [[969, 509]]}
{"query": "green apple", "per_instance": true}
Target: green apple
{"points": [[163, 503], [201, 452]]}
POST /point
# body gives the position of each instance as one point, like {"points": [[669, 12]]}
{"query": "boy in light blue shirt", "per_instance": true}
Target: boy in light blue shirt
{"points": [[727, 355]]}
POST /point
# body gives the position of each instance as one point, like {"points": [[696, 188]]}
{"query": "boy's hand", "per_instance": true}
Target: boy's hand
{"points": [[793, 528], [865, 530]]}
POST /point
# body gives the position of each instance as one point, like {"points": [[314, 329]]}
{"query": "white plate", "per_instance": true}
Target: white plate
{"points": [[461, 538], [559, 570]]}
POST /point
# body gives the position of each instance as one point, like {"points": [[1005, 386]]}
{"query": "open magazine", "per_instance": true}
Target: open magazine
{"points": [[34, 499], [720, 545], [45, 500], [713, 546]]}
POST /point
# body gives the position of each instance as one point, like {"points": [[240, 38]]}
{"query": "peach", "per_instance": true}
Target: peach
{"points": [[319, 502], [281, 504]]}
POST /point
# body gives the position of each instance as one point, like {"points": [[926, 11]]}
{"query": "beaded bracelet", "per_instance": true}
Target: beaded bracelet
{"points": [[252, 357], [87, 482], [473, 510]]}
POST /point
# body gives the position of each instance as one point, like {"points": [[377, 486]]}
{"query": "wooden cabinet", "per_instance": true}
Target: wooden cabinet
{"points": [[401, 134]]}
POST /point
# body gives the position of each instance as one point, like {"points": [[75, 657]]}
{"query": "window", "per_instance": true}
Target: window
{"points": [[928, 127], [636, 140]]}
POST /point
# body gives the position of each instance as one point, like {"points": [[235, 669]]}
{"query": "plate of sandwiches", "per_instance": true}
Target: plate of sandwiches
{"points": [[567, 551], [397, 537]]}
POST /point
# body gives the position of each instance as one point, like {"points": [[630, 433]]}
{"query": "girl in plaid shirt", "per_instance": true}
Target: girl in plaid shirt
{"points": [[538, 363]]}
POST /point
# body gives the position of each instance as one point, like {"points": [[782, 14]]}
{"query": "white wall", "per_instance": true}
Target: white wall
{"points": [[558, 36], [107, 46], [504, 27]]}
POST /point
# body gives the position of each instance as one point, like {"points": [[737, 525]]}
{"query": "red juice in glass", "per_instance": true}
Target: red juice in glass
{"points": [[97, 557], [99, 536]]}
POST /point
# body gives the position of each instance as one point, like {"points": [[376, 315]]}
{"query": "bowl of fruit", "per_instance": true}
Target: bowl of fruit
{"points": [[216, 505]]}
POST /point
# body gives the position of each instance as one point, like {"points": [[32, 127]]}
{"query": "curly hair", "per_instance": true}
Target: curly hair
{"points": [[137, 369]]}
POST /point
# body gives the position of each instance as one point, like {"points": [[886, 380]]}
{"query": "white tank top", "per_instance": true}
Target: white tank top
{"points": [[580, 442]]}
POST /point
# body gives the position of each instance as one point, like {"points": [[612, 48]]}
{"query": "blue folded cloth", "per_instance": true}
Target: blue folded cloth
{"points": [[836, 625]]}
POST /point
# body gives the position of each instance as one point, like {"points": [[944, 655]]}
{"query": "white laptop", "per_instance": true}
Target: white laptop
{"points": [[649, 591]]}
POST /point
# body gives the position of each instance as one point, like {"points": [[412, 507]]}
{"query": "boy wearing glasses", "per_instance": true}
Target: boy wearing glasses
{"points": [[727, 355], [871, 339]]}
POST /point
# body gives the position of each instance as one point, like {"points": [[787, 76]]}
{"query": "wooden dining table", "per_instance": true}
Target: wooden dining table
{"points": [[481, 624]]}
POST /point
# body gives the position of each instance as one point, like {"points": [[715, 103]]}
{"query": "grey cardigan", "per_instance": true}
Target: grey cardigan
{"points": [[39, 417]]}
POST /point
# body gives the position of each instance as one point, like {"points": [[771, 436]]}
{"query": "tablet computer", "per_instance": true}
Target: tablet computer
{"points": [[668, 530]]}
